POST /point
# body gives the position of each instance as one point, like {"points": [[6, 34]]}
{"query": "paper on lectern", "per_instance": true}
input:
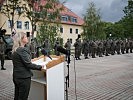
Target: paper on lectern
{"points": [[42, 62]]}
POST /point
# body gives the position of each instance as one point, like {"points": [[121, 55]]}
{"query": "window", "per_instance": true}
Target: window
{"points": [[70, 30], [64, 18], [73, 19], [19, 24], [26, 25], [10, 23], [19, 10], [61, 30], [76, 31], [71, 40]]}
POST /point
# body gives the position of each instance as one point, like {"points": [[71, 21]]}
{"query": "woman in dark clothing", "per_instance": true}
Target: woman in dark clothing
{"points": [[22, 66]]}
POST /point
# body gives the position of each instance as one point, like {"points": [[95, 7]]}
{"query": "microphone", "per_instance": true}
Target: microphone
{"points": [[45, 53], [62, 50]]}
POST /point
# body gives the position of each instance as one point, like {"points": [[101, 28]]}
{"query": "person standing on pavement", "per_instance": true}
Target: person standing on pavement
{"points": [[22, 65], [77, 46], [68, 47], [47, 46], [33, 48], [56, 45], [2, 53]]}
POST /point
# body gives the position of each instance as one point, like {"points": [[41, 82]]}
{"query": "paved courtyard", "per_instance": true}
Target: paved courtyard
{"points": [[101, 78]]}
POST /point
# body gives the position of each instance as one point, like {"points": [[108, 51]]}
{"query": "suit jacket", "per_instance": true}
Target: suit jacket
{"points": [[22, 64]]}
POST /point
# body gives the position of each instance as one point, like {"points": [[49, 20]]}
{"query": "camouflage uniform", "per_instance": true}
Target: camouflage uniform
{"points": [[2, 53], [33, 49], [85, 48], [77, 46], [57, 43], [47, 46]]}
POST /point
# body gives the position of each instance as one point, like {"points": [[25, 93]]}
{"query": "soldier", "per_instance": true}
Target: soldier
{"points": [[85, 48], [93, 49], [2, 53], [47, 46], [68, 46], [112, 47], [57, 43], [118, 46], [127, 46], [33, 48], [77, 46], [122, 47], [107, 48], [100, 47], [131, 45]]}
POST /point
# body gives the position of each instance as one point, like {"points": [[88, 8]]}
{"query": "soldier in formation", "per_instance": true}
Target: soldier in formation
{"points": [[47, 46], [2, 53], [101, 48], [78, 47], [68, 47]]}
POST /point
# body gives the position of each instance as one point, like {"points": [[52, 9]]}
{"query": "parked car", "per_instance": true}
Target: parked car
{"points": [[9, 45]]}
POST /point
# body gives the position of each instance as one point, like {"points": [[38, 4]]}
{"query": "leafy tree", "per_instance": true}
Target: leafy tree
{"points": [[127, 20], [45, 14], [47, 31], [12, 10], [50, 23], [93, 27]]}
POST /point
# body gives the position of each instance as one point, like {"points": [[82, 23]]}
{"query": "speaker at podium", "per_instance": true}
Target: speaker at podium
{"points": [[45, 84]]}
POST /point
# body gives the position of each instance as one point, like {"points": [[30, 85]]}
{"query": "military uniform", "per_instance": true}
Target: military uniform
{"points": [[68, 47], [33, 49], [93, 49], [77, 46], [85, 48], [47, 46], [2, 53], [100, 48], [57, 43]]}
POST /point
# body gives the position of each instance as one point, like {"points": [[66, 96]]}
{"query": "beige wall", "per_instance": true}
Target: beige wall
{"points": [[4, 19], [66, 28], [66, 32]]}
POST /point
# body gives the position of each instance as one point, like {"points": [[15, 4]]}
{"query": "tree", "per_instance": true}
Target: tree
{"points": [[37, 12], [12, 10], [50, 22], [127, 20], [93, 27]]}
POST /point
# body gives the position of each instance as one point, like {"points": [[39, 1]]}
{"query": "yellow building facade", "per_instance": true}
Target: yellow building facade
{"points": [[71, 25]]}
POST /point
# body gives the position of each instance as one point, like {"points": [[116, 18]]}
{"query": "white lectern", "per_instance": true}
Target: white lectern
{"points": [[48, 84]]}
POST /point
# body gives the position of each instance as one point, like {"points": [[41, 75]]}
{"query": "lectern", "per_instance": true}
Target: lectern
{"points": [[49, 83]]}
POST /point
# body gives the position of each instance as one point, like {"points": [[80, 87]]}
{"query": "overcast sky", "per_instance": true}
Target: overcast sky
{"points": [[111, 10]]}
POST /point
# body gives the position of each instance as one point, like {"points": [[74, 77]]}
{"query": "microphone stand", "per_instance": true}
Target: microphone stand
{"points": [[67, 77]]}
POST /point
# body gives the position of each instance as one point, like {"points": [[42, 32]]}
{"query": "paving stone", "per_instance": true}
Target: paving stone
{"points": [[102, 78]]}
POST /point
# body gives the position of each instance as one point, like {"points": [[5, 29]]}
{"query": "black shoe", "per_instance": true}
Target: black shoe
{"points": [[79, 59], [86, 58], [3, 68]]}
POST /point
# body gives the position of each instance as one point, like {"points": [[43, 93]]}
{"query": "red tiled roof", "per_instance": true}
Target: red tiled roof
{"points": [[65, 12], [68, 12]]}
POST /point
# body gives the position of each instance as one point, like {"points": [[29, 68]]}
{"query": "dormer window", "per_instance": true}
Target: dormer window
{"points": [[64, 18], [73, 19]]}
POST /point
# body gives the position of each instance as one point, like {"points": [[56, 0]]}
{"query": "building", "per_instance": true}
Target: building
{"points": [[71, 24]]}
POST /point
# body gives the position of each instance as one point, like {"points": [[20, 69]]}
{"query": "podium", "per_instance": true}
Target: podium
{"points": [[49, 83]]}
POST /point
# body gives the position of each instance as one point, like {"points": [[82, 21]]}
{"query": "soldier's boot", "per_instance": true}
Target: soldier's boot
{"points": [[2, 68], [79, 58]]}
